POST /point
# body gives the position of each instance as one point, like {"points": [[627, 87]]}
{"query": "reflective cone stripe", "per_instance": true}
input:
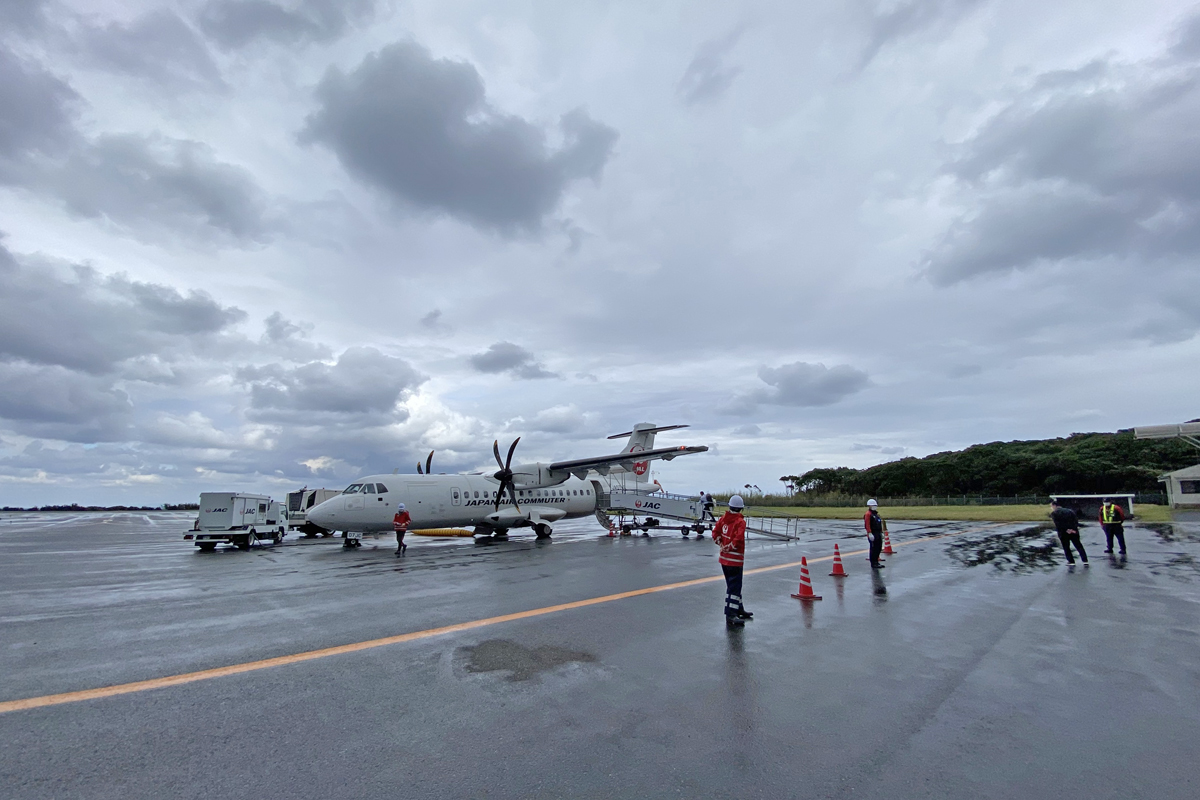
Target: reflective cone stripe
{"points": [[887, 545], [806, 591], [838, 570]]}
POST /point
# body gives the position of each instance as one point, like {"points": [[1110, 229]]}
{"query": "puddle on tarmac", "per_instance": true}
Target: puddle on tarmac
{"points": [[521, 662], [1168, 532], [1180, 567], [1026, 550]]}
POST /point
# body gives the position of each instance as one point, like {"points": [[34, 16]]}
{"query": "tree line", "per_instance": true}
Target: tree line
{"points": [[1083, 463]]}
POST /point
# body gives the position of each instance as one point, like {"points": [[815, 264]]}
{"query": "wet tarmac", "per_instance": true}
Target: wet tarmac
{"points": [[974, 665]]}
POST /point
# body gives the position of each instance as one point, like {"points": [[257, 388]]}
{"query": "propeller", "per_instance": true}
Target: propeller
{"points": [[505, 474], [428, 465]]}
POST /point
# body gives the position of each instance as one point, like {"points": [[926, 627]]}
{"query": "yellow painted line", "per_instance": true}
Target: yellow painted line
{"points": [[370, 644]]}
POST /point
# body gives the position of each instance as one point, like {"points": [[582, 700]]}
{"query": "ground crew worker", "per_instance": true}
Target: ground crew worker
{"points": [[400, 524], [1112, 520], [1066, 522], [730, 534], [875, 527], [708, 507]]}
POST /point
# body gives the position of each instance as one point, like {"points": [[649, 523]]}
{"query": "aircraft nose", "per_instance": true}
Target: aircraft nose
{"points": [[323, 514]]}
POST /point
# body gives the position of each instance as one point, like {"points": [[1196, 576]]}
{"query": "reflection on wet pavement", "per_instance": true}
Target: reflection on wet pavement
{"points": [[1024, 550]]}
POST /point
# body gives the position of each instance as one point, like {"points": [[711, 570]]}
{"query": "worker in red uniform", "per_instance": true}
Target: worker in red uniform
{"points": [[1112, 520], [875, 527], [400, 524], [730, 534]]}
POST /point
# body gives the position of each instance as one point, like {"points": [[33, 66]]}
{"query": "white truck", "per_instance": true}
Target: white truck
{"points": [[237, 519], [298, 504]]}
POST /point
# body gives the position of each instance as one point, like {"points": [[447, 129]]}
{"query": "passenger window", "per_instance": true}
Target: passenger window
{"points": [[477, 494], [368, 488], [381, 488], [353, 488], [456, 494]]}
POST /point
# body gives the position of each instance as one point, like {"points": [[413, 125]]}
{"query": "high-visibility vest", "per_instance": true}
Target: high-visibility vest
{"points": [[1111, 513]]}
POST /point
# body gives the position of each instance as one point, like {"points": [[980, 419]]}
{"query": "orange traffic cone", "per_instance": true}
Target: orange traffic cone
{"points": [[838, 570], [887, 545], [805, 592]]}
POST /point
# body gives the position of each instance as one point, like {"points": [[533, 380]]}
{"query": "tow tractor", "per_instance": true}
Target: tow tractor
{"points": [[237, 519]]}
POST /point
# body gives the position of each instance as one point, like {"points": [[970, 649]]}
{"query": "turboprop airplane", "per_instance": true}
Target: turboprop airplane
{"points": [[532, 495]]}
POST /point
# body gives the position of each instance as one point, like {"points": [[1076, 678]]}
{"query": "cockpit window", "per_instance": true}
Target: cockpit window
{"points": [[353, 488], [368, 488], [381, 488]]}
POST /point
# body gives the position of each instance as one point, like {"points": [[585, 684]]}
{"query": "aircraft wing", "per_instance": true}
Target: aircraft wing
{"points": [[601, 464]]}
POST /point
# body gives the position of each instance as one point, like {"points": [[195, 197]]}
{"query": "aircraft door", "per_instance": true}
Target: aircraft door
{"points": [[455, 496]]}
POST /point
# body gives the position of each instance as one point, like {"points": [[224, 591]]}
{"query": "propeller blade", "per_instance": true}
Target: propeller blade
{"points": [[512, 492], [511, 448], [429, 464], [496, 452], [500, 494]]}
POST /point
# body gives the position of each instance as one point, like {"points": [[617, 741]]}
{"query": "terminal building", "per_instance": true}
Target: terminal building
{"points": [[1183, 487]]}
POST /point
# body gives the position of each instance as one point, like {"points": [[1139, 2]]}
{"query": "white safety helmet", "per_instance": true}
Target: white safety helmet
{"points": [[736, 503], [872, 504], [399, 506]]}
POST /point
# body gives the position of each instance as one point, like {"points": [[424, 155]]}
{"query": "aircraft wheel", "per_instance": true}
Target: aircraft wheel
{"points": [[543, 531]]}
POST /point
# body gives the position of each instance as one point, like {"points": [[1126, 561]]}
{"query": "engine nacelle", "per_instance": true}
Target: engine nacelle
{"points": [[536, 475]]}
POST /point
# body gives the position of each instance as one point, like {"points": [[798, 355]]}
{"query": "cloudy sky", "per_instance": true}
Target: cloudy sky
{"points": [[257, 244]]}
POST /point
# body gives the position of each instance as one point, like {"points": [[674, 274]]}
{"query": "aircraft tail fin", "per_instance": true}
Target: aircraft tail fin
{"points": [[642, 438]]}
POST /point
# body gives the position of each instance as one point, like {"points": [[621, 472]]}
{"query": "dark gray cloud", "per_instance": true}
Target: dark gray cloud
{"points": [[510, 358], [804, 384], [709, 74], [55, 401], [94, 322], [21, 15], [798, 384], [290, 340], [156, 186], [158, 46], [1087, 164], [35, 114], [892, 20], [237, 23], [363, 381], [421, 129], [152, 185]]}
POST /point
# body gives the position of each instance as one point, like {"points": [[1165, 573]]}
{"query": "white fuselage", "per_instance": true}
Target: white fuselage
{"points": [[450, 501]]}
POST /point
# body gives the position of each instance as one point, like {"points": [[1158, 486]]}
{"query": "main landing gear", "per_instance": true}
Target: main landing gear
{"points": [[542, 530]]}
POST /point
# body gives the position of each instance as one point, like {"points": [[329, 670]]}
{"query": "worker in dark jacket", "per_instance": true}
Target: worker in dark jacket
{"points": [[1066, 522], [730, 534], [875, 527], [1112, 520], [400, 524]]}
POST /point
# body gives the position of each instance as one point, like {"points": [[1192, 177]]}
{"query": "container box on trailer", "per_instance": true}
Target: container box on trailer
{"points": [[298, 504], [237, 519]]}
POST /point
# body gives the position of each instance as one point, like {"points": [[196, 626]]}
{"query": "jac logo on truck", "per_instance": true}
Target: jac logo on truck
{"points": [[215, 510], [646, 504]]}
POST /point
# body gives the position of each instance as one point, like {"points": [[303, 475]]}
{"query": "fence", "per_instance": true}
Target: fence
{"points": [[855, 501]]}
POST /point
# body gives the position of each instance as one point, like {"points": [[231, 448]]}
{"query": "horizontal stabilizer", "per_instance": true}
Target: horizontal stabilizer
{"points": [[647, 430]]}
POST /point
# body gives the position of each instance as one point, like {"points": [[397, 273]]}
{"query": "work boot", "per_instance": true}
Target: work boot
{"points": [[744, 614], [734, 621]]}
